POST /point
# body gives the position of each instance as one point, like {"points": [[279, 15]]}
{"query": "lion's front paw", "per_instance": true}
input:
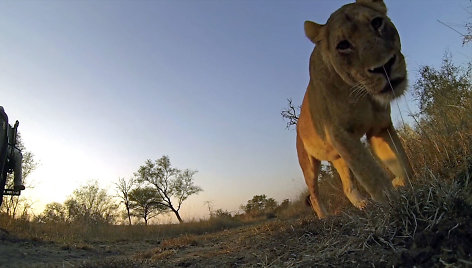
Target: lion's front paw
{"points": [[361, 204], [398, 182], [356, 199]]}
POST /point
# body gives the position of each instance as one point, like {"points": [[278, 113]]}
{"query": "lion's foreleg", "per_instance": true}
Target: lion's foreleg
{"points": [[366, 169], [388, 148], [349, 187]]}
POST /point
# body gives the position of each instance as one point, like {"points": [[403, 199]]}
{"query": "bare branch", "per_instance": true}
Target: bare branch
{"points": [[290, 114]]}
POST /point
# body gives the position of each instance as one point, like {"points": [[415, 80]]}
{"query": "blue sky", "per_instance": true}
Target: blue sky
{"points": [[101, 86]]}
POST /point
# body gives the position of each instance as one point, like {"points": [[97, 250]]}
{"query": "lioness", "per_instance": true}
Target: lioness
{"points": [[356, 69]]}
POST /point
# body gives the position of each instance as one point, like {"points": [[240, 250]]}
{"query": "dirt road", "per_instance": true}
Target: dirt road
{"points": [[294, 243], [338, 241]]}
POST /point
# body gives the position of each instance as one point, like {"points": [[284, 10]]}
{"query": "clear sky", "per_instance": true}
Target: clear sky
{"points": [[101, 86]]}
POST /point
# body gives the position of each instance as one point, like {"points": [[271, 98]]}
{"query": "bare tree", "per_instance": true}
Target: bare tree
{"points": [[124, 187], [290, 114], [209, 204], [173, 185], [467, 37], [468, 27]]}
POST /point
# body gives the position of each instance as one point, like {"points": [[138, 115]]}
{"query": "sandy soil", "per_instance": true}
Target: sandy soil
{"points": [[186, 250]]}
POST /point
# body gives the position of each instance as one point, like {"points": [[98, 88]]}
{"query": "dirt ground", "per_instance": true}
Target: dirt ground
{"points": [[305, 242], [16, 252]]}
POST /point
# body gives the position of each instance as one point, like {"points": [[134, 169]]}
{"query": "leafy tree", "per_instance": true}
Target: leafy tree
{"points": [[54, 212], [146, 203], [91, 204], [124, 187], [173, 185], [260, 205], [284, 205], [74, 211], [447, 90], [440, 141]]}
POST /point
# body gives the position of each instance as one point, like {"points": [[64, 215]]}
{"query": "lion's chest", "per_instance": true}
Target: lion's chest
{"points": [[364, 119], [357, 120]]}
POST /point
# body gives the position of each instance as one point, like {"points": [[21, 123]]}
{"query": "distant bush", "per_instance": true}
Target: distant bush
{"points": [[89, 204], [260, 205], [221, 214]]}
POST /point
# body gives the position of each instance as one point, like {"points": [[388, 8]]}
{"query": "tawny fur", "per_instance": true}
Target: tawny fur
{"points": [[348, 97]]}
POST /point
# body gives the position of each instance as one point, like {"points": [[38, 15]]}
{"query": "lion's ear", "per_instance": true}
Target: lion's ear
{"points": [[378, 5], [313, 31]]}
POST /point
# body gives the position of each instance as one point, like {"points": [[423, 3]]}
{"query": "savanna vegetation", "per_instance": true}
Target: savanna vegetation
{"points": [[156, 188], [429, 225]]}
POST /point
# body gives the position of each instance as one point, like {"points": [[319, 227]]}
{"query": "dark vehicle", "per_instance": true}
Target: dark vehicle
{"points": [[10, 157]]}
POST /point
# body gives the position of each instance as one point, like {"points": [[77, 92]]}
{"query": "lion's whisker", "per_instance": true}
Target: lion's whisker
{"points": [[356, 88], [358, 91], [362, 95]]}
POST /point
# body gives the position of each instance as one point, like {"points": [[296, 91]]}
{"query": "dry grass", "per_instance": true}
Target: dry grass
{"points": [[429, 225], [73, 233]]}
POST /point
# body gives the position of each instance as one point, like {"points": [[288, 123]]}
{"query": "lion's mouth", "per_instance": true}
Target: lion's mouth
{"points": [[392, 85], [386, 71]]}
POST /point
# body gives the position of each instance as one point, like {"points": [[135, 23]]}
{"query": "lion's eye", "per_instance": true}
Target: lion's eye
{"points": [[344, 46]]}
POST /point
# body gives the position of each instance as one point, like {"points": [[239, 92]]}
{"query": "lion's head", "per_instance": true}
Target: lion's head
{"points": [[363, 47]]}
